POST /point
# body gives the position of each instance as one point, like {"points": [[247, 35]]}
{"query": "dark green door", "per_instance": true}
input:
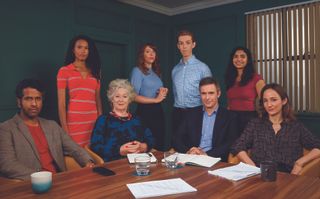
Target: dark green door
{"points": [[113, 58]]}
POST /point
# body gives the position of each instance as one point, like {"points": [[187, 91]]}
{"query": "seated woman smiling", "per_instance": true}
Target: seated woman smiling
{"points": [[119, 133], [276, 135]]}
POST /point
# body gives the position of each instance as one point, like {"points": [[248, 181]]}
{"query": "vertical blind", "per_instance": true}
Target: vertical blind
{"points": [[285, 44]]}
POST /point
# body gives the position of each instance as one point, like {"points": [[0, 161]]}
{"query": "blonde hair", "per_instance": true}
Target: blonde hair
{"points": [[120, 83]]}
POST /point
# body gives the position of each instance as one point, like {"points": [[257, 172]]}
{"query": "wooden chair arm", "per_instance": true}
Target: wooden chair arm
{"points": [[312, 169], [96, 158]]}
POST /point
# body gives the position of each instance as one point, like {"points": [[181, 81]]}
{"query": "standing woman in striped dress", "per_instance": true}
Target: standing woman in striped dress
{"points": [[80, 80]]}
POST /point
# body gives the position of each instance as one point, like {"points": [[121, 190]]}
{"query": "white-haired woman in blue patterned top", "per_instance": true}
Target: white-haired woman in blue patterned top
{"points": [[119, 133]]}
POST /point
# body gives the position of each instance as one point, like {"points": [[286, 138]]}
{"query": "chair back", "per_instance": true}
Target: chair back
{"points": [[96, 158]]}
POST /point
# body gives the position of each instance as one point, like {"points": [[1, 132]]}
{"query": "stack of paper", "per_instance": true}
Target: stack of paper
{"points": [[132, 156], [197, 160], [237, 172], [160, 188]]}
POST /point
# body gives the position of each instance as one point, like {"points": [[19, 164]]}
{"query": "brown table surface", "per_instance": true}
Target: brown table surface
{"points": [[83, 183]]}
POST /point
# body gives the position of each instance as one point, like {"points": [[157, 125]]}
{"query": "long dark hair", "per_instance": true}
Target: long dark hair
{"points": [[155, 64], [231, 72], [92, 62], [287, 112]]}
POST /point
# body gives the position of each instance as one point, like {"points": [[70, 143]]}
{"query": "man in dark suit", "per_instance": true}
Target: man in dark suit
{"points": [[29, 143], [210, 129]]}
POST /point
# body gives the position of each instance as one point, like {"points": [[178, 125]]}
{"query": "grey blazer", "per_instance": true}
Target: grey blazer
{"points": [[19, 156]]}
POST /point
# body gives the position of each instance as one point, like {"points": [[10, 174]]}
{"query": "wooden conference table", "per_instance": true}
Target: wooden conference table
{"points": [[83, 183]]}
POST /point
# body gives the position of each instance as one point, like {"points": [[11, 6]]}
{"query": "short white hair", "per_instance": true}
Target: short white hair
{"points": [[120, 83]]}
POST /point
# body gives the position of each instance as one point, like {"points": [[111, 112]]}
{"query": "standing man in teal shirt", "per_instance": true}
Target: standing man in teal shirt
{"points": [[186, 76]]}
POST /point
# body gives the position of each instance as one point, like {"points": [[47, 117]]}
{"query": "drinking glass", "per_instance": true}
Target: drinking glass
{"points": [[142, 165], [171, 159]]}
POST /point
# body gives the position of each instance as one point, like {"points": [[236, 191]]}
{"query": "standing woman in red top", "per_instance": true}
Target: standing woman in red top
{"points": [[80, 80], [243, 85]]}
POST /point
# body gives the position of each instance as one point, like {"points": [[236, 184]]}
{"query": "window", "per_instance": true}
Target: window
{"points": [[285, 43]]}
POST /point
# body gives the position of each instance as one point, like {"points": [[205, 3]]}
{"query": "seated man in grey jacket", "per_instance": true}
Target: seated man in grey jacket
{"points": [[29, 143]]}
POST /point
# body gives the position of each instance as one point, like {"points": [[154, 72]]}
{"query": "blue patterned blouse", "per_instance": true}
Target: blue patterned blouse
{"points": [[111, 132]]}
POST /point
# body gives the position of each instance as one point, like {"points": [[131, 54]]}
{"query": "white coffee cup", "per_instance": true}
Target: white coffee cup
{"points": [[41, 181]]}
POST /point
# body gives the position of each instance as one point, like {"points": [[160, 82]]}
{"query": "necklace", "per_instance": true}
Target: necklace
{"points": [[126, 118]]}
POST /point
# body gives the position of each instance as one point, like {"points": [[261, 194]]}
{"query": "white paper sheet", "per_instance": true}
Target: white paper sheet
{"points": [[160, 188], [132, 156], [198, 160], [237, 172]]}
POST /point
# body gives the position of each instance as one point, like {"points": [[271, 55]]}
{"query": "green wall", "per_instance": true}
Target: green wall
{"points": [[35, 33]]}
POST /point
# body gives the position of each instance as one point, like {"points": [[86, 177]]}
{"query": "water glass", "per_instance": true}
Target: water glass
{"points": [[171, 159], [142, 164]]}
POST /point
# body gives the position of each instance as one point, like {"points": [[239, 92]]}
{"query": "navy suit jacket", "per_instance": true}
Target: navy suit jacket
{"points": [[225, 132]]}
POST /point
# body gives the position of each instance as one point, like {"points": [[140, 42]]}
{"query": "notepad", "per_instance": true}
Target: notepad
{"points": [[237, 172], [197, 160], [160, 188], [132, 156]]}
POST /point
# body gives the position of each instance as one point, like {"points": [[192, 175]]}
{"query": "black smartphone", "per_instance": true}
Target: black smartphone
{"points": [[103, 171]]}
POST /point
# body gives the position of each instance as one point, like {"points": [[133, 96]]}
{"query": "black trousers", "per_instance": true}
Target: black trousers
{"points": [[153, 117], [178, 115]]}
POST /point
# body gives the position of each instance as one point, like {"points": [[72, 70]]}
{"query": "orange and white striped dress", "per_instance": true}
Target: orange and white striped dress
{"points": [[82, 108]]}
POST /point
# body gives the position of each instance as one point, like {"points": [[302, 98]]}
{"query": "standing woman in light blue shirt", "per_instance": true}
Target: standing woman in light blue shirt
{"points": [[146, 81]]}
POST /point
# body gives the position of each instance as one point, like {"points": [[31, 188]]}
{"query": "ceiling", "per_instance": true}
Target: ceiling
{"points": [[174, 7]]}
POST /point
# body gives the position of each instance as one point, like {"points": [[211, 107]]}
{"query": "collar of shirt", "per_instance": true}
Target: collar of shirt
{"points": [[71, 67], [205, 113], [267, 120], [191, 60]]}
